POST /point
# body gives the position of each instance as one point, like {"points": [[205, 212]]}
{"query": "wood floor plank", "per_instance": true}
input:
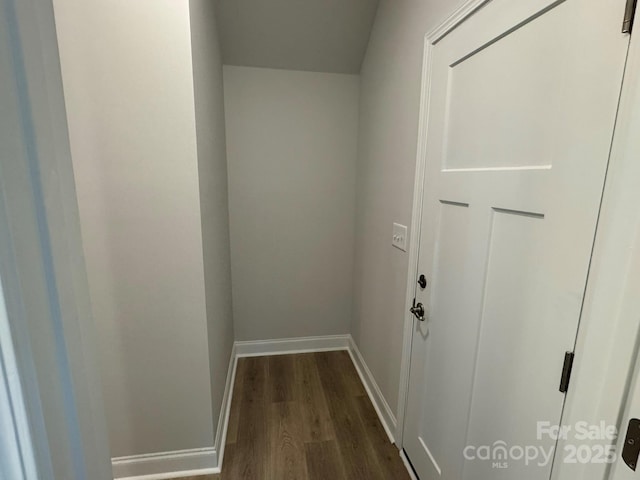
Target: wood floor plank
{"points": [[341, 361], [355, 448], [332, 385], [228, 464], [201, 477], [287, 460], [251, 451], [386, 453], [236, 400], [324, 461], [281, 374], [316, 420]]}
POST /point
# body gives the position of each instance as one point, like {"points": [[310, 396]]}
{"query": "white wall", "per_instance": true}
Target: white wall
{"points": [[214, 205], [291, 148], [128, 83], [389, 108]]}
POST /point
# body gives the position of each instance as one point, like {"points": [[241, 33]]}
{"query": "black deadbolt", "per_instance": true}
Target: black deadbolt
{"points": [[422, 281]]}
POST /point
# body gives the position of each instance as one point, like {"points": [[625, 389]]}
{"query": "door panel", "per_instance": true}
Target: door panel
{"points": [[522, 105], [451, 267], [485, 99], [513, 366]]}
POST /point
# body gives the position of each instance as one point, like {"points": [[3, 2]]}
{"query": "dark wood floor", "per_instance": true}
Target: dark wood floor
{"points": [[304, 417]]}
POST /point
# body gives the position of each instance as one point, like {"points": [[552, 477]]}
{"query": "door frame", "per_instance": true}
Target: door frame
{"points": [[597, 333], [607, 341], [42, 263]]}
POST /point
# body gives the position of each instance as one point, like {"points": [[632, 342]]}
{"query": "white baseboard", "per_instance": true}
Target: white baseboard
{"points": [[158, 466], [387, 418], [225, 408], [285, 346]]}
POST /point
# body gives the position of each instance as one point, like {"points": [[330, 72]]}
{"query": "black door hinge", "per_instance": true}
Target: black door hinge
{"points": [[566, 372], [629, 11]]}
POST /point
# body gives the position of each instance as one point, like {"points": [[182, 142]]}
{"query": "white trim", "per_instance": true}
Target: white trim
{"points": [[157, 466], [19, 461], [41, 262], [284, 346], [225, 409], [434, 36], [385, 414], [414, 245], [465, 10]]}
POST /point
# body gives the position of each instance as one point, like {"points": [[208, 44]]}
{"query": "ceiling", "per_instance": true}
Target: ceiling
{"points": [[314, 35]]}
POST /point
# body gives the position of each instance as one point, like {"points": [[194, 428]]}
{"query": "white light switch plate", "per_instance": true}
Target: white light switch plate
{"points": [[399, 237]]}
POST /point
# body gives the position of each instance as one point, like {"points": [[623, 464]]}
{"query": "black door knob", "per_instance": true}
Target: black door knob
{"points": [[418, 311]]}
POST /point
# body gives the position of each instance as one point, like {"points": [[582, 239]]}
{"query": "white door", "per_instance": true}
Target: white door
{"points": [[522, 103]]}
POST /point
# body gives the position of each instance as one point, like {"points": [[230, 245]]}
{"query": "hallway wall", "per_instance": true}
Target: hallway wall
{"points": [[291, 148], [389, 108], [128, 82], [214, 203]]}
